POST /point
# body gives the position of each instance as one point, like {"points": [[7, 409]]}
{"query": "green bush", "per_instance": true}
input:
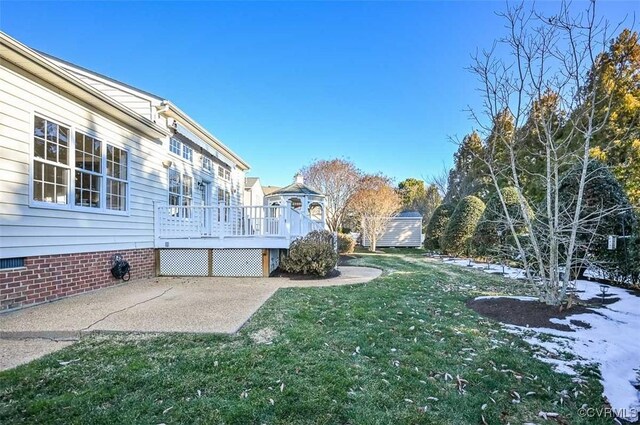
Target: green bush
{"points": [[605, 211], [492, 235], [346, 244], [463, 222], [313, 254], [437, 225]]}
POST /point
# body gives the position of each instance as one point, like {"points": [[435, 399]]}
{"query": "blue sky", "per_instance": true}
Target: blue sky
{"points": [[283, 83]]}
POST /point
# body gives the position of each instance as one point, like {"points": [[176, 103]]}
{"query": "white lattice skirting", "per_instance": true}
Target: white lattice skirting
{"points": [[217, 262]]}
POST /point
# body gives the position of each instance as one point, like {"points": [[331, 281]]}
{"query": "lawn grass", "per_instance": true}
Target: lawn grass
{"points": [[366, 354]]}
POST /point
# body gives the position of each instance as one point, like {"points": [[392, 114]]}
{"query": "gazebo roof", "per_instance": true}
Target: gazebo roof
{"points": [[296, 188]]}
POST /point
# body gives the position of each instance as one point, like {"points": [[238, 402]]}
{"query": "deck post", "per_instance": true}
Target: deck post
{"points": [[156, 224]]}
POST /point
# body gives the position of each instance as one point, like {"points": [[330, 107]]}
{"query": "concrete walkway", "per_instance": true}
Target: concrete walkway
{"points": [[196, 305]]}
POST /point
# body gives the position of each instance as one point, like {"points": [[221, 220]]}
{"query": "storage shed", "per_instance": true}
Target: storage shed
{"points": [[403, 231]]}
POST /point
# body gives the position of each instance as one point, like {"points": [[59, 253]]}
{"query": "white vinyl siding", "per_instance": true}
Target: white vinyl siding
{"points": [[400, 232], [28, 231], [134, 181], [137, 103]]}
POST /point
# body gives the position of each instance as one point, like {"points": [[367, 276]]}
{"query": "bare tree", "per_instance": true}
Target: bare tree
{"points": [[440, 180], [374, 204], [546, 56], [338, 180]]}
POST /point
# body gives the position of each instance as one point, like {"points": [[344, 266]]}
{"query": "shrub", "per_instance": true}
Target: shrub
{"points": [[486, 237], [605, 211], [463, 222], [346, 244], [313, 254], [437, 225]]}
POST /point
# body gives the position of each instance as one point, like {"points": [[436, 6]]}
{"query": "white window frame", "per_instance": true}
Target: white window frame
{"points": [[177, 144], [32, 158], [208, 168], [187, 153], [226, 173], [126, 181], [226, 202], [71, 169], [102, 173], [180, 194]]}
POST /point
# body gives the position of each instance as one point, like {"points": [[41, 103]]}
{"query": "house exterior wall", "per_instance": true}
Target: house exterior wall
{"points": [[254, 196], [139, 104], [50, 277], [400, 232], [30, 230], [67, 249]]}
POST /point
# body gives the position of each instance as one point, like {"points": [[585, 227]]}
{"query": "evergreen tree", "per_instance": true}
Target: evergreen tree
{"points": [[468, 175], [418, 197], [493, 233], [437, 225], [545, 116], [605, 212], [617, 75], [457, 237]]}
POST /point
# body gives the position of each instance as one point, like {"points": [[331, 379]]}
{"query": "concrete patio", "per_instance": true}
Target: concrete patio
{"points": [[195, 305]]}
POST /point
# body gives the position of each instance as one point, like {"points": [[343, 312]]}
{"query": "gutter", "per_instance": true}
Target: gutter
{"points": [[170, 110], [26, 58]]}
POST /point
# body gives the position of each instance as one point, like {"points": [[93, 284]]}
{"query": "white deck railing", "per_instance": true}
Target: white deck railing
{"points": [[197, 222]]}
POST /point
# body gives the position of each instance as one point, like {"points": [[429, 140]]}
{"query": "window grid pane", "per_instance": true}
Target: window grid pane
{"points": [[87, 190], [116, 163], [50, 183], [187, 153], [207, 164], [88, 153], [175, 146], [116, 195]]}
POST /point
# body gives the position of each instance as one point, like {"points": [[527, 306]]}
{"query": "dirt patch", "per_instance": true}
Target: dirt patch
{"points": [[296, 276], [264, 336], [532, 314]]}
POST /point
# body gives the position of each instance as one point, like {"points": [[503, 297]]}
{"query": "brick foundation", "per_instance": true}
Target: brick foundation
{"points": [[50, 277]]}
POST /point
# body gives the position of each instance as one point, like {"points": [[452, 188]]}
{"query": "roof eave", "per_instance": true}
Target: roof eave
{"points": [[177, 113], [31, 61]]}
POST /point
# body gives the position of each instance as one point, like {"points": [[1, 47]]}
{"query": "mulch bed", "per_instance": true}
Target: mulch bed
{"points": [[532, 314], [296, 276]]}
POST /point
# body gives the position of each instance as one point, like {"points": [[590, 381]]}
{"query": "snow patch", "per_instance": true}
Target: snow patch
{"points": [[488, 297], [611, 341]]}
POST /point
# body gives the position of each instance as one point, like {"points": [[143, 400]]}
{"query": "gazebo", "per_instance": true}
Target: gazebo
{"points": [[301, 198]]}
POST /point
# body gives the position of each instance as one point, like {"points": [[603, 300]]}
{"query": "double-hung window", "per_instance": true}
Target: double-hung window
{"points": [[99, 170], [88, 174], [224, 200], [175, 146], [180, 193], [50, 162], [224, 173], [180, 149], [117, 175], [187, 153], [207, 164]]}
